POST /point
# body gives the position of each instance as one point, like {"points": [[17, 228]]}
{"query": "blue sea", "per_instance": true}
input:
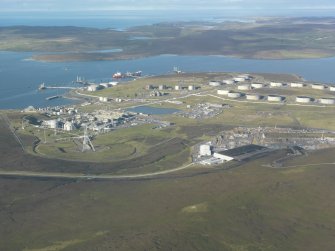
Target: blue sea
{"points": [[20, 78]]}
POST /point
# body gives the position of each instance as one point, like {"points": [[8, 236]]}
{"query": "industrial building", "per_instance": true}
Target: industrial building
{"points": [[52, 124], [205, 150], [94, 87], [240, 153], [68, 126]]}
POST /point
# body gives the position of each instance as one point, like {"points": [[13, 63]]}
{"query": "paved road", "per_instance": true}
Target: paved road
{"points": [[83, 176]]}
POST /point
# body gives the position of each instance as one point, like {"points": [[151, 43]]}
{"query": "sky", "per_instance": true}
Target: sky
{"points": [[110, 5]]}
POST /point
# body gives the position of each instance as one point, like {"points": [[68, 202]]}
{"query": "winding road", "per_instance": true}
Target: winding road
{"points": [[29, 174]]}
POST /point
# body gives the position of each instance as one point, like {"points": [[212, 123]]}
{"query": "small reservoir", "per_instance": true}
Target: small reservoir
{"points": [[153, 110]]}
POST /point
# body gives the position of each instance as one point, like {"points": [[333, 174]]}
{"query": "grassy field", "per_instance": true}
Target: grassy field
{"points": [[236, 206], [247, 208]]}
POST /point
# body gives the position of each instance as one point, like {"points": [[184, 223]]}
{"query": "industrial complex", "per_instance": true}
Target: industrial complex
{"points": [[111, 106]]}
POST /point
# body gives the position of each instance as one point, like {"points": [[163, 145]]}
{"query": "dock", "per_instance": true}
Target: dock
{"points": [[43, 87]]}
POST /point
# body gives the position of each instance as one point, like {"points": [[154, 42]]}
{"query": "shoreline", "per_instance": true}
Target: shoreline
{"points": [[56, 58]]}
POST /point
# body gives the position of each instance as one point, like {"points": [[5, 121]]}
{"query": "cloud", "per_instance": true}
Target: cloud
{"points": [[96, 5]]}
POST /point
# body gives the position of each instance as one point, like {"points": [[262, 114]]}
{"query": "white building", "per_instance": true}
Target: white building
{"points": [[214, 83], [297, 85], [191, 87], [223, 92], [103, 99], [205, 150], [53, 124], [68, 126], [222, 156], [93, 88]]}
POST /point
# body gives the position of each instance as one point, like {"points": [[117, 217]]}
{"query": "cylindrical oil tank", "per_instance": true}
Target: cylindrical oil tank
{"points": [[245, 76], [303, 99], [223, 92], [191, 87], [276, 84], [234, 94], [228, 81], [214, 83], [332, 88], [239, 79], [244, 87], [275, 98], [177, 87], [297, 85], [253, 96], [257, 85], [318, 86], [327, 101]]}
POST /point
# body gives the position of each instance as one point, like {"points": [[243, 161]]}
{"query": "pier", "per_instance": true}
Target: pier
{"points": [[43, 87]]}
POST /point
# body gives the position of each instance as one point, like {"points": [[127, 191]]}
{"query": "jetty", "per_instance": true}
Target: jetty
{"points": [[43, 87]]}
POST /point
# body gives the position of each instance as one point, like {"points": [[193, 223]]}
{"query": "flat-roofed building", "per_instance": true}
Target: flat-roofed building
{"points": [[240, 153]]}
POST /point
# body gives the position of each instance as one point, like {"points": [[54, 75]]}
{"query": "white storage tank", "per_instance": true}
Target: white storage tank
{"points": [[318, 86], [239, 79], [253, 97], [205, 150], [244, 87], [257, 85], [327, 101], [53, 124], [191, 87], [104, 85], [245, 76], [92, 88], [275, 98], [103, 99], [303, 99], [332, 88], [177, 87], [276, 84], [68, 126], [223, 92], [228, 81], [214, 83], [234, 94], [297, 85], [162, 87]]}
